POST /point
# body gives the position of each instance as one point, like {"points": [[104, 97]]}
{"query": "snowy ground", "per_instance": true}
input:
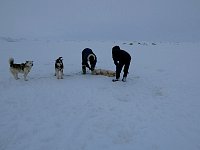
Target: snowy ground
{"points": [[157, 108]]}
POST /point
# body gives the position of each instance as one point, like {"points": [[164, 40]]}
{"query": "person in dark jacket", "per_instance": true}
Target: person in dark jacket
{"points": [[121, 59], [88, 56]]}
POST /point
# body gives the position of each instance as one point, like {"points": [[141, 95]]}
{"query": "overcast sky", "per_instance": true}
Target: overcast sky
{"points": [[164, 20]]}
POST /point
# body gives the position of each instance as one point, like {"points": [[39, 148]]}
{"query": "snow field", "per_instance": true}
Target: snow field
{"points": [[157, 108]]}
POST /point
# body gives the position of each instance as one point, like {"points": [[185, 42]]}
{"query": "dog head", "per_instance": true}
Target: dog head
{"points": [[59, 60], [59, 63], [29, 63]]}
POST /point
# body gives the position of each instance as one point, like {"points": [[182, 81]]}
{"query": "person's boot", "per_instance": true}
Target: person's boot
{"points": [[84, 69], [124, 79], [114, 80]]}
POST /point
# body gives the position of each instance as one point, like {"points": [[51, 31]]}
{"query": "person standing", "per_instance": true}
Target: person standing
{"points": [[121, 59]]}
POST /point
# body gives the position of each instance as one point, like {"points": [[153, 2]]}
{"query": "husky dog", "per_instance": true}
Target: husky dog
{"points": [[23, 68], [59, 68], [104, 72]]}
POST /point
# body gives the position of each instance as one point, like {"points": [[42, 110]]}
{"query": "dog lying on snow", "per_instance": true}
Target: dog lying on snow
{"points": [[59, 68], [23, 68], [104, 72]]}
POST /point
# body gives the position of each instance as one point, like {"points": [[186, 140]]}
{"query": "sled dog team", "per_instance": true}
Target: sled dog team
{"points": [[120, 57]]}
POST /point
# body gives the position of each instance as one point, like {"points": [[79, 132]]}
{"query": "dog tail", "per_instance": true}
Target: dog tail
{"points": [[11, 62]]}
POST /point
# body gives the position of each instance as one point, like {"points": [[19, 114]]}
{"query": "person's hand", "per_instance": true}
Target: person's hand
{"points": [[117, 64], [92, 69]]}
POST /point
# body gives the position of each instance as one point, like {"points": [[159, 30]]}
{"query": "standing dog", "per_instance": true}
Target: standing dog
{"points": [[23, 68], [59, 68]]}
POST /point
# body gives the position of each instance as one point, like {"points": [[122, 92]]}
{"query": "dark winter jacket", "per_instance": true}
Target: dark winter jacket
{"points": [[89, 56], [120, 56]]}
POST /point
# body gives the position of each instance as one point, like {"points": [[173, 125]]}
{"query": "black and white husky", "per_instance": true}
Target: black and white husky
{"points": [[23, 68], [59, 68]]}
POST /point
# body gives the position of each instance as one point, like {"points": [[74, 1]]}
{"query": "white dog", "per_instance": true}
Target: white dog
{"points": [[59, 68], [108, 73], [23, 68]]}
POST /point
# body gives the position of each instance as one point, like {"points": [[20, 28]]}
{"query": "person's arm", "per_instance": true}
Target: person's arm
{"points": [[115, 61]]}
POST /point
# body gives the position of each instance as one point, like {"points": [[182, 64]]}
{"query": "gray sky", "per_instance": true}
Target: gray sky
{"points": [[164, 20]]}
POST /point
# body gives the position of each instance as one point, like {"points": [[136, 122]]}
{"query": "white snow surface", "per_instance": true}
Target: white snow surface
{"points": [[157, 108]]}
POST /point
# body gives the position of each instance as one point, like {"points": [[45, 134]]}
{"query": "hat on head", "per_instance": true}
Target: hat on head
{"points": [[115, 49]]}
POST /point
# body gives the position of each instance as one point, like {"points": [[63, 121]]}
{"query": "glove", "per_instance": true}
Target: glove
{"points": [[116, 63], [92, 69]]}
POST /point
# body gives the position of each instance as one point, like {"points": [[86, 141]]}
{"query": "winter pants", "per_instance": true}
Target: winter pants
{"points": [[119, 69]]}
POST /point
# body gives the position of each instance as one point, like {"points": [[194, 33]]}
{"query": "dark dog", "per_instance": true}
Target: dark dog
{"points": [[59, 68]]}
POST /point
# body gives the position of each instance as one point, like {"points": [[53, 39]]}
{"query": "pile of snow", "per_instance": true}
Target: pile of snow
{"points": [[157, 108]]}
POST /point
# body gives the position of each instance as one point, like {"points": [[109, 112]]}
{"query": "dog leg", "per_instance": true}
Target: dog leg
{"points": [[25, 75], [58, 74], [62, 74], [55, 72], [16, 76]]}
